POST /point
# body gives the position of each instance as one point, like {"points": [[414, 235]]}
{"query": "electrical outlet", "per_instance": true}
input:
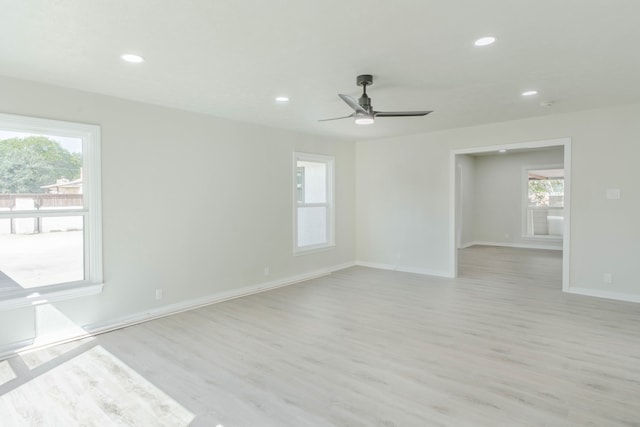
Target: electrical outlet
{"points": [[158, 294], [266, 271], [607, 278]]}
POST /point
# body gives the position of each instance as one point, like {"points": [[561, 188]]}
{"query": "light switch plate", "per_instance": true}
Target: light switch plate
{"points": [[613, 193]]}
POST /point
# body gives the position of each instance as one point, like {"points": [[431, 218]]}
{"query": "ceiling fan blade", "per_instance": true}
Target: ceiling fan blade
{"points": [[338, 118], [400, 113], [353, 103]]}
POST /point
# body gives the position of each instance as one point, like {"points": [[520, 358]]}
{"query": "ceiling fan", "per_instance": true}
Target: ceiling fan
{"points": [[363, 110]]}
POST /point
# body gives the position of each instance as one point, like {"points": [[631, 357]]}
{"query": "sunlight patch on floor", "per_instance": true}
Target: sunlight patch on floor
{"points": [[6, 372], [34, 359], [93, 388]]}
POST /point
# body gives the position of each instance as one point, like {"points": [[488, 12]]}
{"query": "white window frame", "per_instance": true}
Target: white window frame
{"points": [[525, 202], [329, 161], [91, 212]]}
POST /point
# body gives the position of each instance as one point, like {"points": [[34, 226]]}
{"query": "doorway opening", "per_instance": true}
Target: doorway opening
{"points": [[512, 197]]}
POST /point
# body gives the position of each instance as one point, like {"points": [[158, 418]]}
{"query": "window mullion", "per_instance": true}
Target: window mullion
{"points": [[42, 214]]}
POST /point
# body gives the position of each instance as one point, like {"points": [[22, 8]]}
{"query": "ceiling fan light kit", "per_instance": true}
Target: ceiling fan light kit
{"points": [[363, 110], [364, 119]]}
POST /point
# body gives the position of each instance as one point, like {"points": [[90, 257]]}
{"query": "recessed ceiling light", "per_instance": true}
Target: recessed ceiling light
{"points": [[502, 150], [130, 57], [529, 93], [485, 41], [282, 99]]}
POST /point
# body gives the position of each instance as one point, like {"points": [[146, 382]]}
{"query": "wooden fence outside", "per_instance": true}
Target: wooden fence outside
{"points": [[38, 201]]}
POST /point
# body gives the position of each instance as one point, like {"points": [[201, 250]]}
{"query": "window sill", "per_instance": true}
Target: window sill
{"points": [[313, 250], [12, 300]]}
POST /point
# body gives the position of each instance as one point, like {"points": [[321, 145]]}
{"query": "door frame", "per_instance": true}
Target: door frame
{"points": [[453, 199]]}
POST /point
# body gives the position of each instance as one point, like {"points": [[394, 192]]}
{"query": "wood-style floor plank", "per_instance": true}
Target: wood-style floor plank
{"points": [[499, 346]]}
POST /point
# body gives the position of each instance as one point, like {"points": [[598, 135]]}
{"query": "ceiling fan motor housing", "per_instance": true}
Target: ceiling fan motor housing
{"points": [[365, 80]]}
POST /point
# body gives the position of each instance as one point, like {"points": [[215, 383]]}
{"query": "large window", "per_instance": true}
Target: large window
{"points": [[544, 203], [313, 201], [50, 231]]}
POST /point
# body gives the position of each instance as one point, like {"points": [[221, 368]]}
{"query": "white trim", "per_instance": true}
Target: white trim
{"points": [[308, 250], [12, 300], [167, 310], [42, 214], [195, 303], [566, 237], [404, 269], [38, 125], [566, 242], [453, 224], [512, 146], [618, 296], [513, 245]]}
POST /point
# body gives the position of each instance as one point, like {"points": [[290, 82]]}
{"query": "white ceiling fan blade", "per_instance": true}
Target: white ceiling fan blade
{"points": [[400, 113], [337, 118], [353, 103]]}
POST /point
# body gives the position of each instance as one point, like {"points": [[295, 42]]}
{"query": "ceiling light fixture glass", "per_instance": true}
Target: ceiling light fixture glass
{"points": [[485, 41], [364, 119], [130, 57], [529, 93]]}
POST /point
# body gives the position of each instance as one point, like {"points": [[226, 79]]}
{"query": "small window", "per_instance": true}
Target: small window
{"points": [[50, 231], [313, 201], [545, 203]]}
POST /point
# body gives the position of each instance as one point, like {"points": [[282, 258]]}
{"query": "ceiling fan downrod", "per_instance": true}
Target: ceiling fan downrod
{"points": [[365, 102]]}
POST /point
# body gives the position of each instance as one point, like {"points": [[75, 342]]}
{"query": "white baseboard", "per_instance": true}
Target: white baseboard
{"points": [[512, 245], [466, 245], [167, 310], [404, 269], [618, 296], [191, 304]]}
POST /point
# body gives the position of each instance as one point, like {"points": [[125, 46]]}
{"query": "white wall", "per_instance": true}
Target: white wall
{"points": [[498, 188], [403, 194], [466, 191], [192, 204]]}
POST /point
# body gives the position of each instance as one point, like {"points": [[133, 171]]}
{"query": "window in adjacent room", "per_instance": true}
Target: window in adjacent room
{"points": [[50, 227], [313, 191], [544, 203]]}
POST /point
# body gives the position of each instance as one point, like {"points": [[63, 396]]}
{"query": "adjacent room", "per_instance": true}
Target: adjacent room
{"points": [[287, 213], [510, 214]]}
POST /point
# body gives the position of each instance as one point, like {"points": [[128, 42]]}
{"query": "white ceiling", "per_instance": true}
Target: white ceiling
{"points": [[230, 58]]}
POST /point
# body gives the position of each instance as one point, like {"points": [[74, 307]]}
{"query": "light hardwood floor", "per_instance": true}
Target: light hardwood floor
{"points": [[361, 347]]}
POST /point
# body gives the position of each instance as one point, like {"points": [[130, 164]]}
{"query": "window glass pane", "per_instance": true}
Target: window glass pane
{"points": [[545, 213], [312, 226], [311, 182], [546, 187], [40, 251], [39, 171]]}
